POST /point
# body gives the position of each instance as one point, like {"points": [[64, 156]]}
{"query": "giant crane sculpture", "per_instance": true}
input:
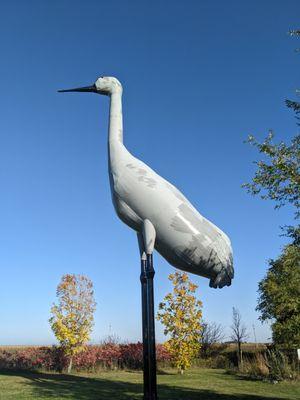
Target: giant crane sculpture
{"points": [[163, 218]]}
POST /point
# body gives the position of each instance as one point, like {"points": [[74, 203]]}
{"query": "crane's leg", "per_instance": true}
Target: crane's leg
{"points": [[146, 244]]}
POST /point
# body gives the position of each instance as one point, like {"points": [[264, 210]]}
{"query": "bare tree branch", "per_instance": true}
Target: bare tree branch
{"points": [[239, 333], [212, 333]]}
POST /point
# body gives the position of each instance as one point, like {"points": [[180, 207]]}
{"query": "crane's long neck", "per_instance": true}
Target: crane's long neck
{"points": [[115, 130], [115, 118]]}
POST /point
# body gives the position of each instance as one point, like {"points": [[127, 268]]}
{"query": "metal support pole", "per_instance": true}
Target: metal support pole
{"points": [[149, 354], [143, 279]]}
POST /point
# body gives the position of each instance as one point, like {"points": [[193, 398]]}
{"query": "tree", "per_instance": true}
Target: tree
{"points": [[212, 333], [180, 313], [279, 299], [278, 175], [278, 179], [72, 318], [239, 333]]}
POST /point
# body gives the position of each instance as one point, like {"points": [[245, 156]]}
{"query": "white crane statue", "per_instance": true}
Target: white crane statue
{"points": [[163, 218], [160, 214]]}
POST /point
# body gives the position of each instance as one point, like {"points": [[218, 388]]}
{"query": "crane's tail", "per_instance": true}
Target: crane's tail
{"points": [[223, 278]]}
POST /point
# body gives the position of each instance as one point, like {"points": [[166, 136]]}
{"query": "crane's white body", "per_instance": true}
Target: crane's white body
{"points": [[184, 237]]}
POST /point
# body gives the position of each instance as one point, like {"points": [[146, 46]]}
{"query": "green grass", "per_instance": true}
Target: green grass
{"points": [[196, 384]]}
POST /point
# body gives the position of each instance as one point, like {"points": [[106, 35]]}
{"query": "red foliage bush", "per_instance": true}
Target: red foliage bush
{"points": [[104, 356], [49, 358], [162, 354], [131, 355], [86, 359], [107, 355]]}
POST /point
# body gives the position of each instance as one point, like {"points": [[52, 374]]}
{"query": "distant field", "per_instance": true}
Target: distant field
{"points": [[196, 384], [230, 346], [248, 346], [20, 346]]}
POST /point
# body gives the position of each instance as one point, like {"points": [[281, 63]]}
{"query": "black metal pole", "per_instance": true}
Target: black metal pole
{"points": [[149, 354], [143, 279], [151, 316]]}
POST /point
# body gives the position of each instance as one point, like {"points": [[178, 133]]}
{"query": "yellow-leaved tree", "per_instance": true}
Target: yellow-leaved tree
{"points": [[72, 318], [181, 314]]}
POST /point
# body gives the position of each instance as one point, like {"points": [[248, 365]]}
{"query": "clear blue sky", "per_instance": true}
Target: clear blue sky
{"points": [[198, 77]]}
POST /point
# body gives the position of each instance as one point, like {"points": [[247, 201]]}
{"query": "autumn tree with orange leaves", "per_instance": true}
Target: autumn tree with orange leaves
{"points": [[180, 313], [72, 318]]}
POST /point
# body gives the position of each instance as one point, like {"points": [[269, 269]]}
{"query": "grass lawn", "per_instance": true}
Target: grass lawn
{"points": [[202, 384]]}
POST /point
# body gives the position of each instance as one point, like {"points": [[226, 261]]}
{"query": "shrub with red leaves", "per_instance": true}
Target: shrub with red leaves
{"points": [[162, 354], [49, 358], [107, 356], [131, 355]]}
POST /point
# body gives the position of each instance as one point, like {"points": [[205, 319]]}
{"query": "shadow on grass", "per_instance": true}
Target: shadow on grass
{"points": [[169, 373], [60, 386], [239, 376]]}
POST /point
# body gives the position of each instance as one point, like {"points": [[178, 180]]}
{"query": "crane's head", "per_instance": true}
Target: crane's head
{"points": [[104, 85]]}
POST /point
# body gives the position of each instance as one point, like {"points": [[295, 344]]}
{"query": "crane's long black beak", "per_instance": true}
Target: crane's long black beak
{"points": [[81, 89]]}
